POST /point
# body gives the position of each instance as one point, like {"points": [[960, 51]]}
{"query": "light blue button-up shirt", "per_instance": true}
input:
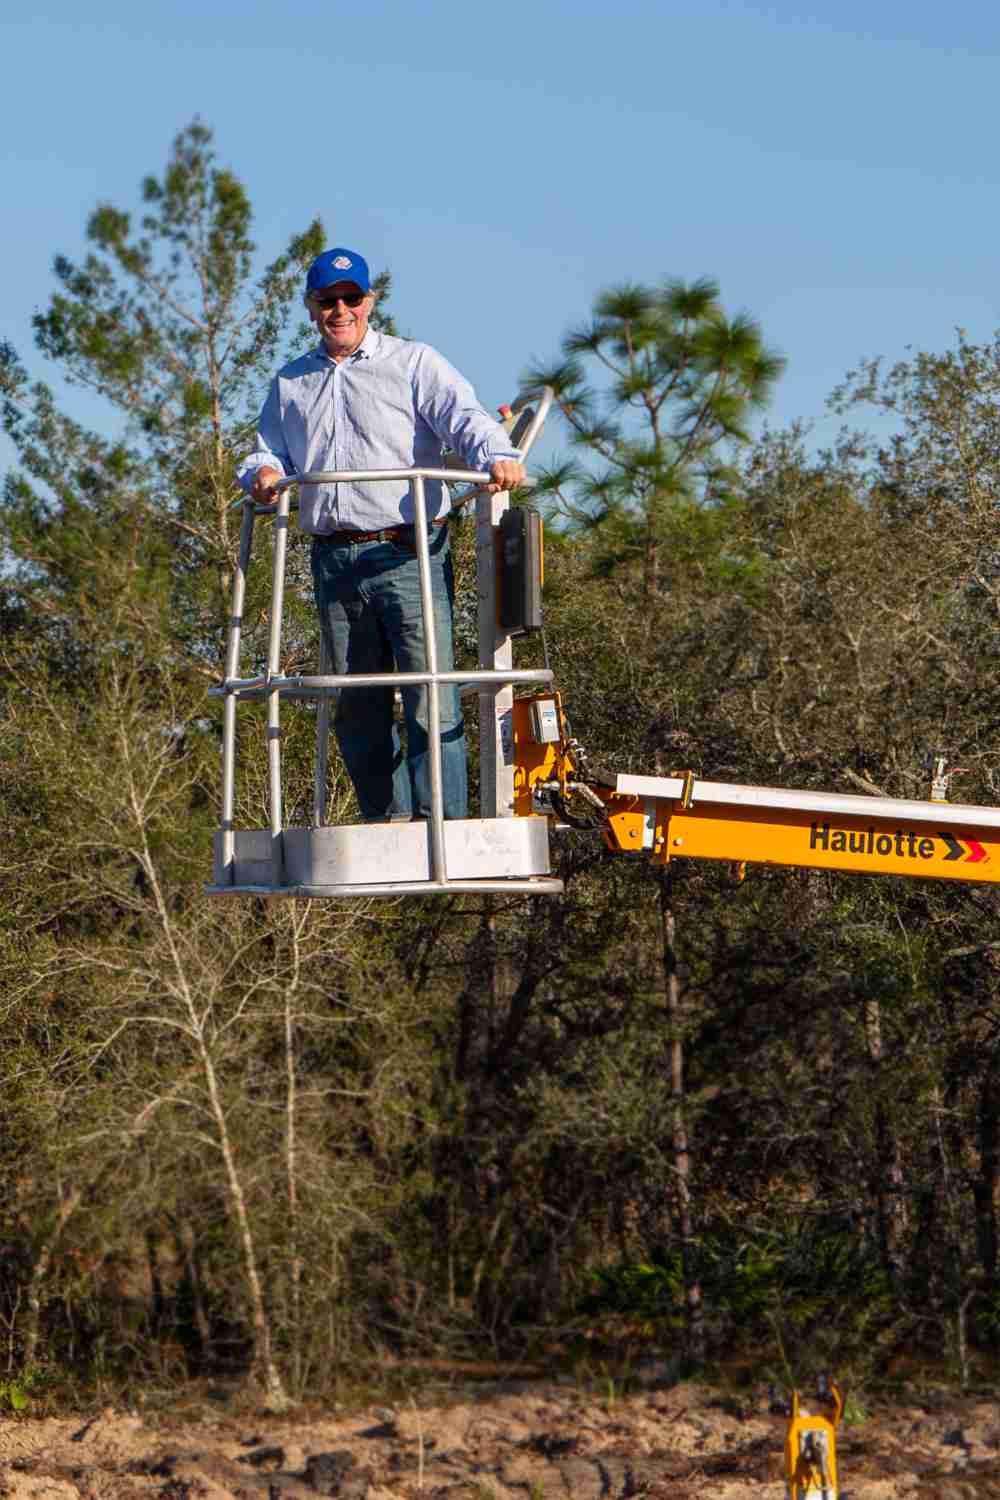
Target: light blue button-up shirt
{"points": [[392, 404]]}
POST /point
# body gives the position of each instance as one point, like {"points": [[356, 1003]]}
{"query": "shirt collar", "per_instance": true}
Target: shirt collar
{"points": [[367, 347], [365, 350]]}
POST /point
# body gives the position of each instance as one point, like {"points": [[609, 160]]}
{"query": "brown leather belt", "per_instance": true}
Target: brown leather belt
{"points": [[387, 534]]}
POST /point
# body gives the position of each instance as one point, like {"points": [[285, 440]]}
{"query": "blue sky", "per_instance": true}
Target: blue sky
{"points": [[834, 166]]}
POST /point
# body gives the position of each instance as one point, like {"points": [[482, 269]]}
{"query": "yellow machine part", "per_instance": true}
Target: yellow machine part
{"points": [[533, 762], [872, 846], [811, 1450], [743, 832], [626, 824]]}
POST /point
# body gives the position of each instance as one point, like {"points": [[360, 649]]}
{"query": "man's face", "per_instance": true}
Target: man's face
{"points": [[342, 326]]}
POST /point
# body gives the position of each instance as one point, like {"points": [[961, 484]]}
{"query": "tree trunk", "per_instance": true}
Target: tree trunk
{"points": [[297, 920], [265, 1366], [890, 1204], [985, 1185], [694, 1313], [40, 1270], [187, 1245]]}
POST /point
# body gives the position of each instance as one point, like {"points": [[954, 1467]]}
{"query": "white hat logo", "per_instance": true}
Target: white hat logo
{"points": [[342, 263]]}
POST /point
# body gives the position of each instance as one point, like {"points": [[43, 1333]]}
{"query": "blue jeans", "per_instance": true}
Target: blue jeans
{"points": [[368, 598]]}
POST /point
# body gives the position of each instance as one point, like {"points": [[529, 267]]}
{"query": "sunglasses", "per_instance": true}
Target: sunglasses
{"points": [[353, 299]]}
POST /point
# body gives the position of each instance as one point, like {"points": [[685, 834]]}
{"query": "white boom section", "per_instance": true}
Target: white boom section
{"points": [[845, 805]]}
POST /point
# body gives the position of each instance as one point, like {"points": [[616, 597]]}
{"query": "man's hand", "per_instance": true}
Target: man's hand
{"points": [[262, 488], [507, 474]]}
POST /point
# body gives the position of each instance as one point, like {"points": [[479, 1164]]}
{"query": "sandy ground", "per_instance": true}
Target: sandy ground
{"points": [[527, 1441]]}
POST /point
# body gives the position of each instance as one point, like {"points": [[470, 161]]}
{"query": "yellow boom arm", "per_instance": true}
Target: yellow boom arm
{"points": [[681, 817]]}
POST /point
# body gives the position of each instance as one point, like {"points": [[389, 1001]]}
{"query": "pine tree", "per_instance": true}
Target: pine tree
{"points": [[166, 320], [656, 389]]}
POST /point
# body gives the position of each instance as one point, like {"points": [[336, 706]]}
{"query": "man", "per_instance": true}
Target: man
{"points": [[365, 400]]}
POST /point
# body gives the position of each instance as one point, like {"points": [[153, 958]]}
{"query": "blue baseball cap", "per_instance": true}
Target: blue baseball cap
{"points": [[338, 265]]}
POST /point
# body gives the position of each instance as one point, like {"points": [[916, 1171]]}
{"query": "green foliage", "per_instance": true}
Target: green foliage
{"points": [[242, 1138], [166, 319], [855, 1413], [806, 1273], [18, 1391], [646, 1293], [656, 391]]}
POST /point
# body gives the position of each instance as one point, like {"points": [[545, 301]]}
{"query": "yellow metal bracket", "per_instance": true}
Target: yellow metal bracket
{"points": [[811, 1449], [626, 825]]}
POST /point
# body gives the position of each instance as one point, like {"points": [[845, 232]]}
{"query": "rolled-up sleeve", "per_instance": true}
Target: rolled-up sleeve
{"points": [[270, 451]]}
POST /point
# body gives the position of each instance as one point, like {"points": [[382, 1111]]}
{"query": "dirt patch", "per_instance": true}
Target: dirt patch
{"points": [[521, 1442]]}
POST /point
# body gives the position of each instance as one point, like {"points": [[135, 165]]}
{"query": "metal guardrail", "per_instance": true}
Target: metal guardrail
{"points": [[272, 686]]}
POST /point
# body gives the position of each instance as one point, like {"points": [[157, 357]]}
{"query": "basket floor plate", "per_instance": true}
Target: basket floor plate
{"points": [[387, 854]]}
